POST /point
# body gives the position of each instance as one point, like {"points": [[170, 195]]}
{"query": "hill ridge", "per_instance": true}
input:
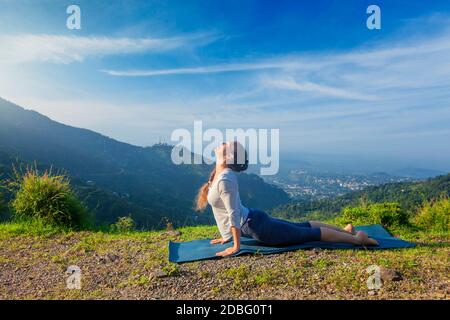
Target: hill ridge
{"points": [[144, 176]]}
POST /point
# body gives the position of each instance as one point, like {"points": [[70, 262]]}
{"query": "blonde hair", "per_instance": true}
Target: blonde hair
{"points": [[201, 200]]}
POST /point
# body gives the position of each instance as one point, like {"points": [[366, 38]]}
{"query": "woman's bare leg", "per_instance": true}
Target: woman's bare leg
{"points": [[348, 229], [331, 235]]}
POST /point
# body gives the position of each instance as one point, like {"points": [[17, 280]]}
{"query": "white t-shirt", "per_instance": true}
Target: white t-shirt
{"points": [[223, 196]]}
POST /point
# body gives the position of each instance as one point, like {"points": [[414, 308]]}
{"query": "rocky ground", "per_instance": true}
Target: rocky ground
{"points": [[135, 266]]}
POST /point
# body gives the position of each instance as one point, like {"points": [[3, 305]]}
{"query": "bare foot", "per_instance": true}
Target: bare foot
{"points": [[364, 239], [350, 228]]}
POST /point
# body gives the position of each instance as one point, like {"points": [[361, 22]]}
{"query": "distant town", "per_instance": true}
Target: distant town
{"points": [[302, 184]]}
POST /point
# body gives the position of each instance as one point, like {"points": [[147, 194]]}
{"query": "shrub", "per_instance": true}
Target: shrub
{"points": [[124, 224], [387, 214], [47, 198], [434, 215], [3, 207]]}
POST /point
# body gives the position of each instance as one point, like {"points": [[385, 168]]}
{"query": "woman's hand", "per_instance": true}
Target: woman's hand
{"points": [[218, 241], [228, 251], [237, 244]]}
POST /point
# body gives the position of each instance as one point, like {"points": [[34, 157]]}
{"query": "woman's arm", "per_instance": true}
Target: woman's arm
{"points": [[236, 244]]}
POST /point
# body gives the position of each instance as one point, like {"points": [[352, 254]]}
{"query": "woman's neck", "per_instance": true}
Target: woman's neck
{"points": [[219, 168]]}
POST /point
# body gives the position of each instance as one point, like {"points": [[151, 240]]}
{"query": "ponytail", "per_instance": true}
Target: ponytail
{"points": [[202, 195]]}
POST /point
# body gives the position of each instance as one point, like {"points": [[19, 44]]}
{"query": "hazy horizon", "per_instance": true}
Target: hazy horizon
{"points": [[321, 162], [137, 71]]}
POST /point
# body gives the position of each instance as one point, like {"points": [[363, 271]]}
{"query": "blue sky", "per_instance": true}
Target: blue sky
{"points": [[139, 69]]}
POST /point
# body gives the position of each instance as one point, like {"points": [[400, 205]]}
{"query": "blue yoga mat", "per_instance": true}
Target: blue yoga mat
{"points": [[202, 249]]}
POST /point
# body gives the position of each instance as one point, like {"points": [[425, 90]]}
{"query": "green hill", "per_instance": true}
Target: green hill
{"points": [[409, 195], [115, 178]]}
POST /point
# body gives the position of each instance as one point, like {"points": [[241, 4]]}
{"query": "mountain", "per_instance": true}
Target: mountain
{"points": [[418, 173], [409, 195], [117, 178]]}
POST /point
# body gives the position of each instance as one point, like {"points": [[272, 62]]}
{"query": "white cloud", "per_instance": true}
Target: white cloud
{"points": [[377, 71], [203, 70], [385, 96], [306, 86], [363, 57], [67, 49]]}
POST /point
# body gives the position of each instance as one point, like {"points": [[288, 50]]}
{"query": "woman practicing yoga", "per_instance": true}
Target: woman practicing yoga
{"points": [[233, 219]]}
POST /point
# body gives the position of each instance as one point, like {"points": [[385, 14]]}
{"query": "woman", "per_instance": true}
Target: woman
{"points": [[233, 219]]}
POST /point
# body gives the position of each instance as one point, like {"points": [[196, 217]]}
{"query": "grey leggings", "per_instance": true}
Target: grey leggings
{"points": [[276, 232]]}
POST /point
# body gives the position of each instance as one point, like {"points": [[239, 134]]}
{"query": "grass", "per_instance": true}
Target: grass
{"points": [[47, 197], [328, 273], [30, 228], [435, 214]]}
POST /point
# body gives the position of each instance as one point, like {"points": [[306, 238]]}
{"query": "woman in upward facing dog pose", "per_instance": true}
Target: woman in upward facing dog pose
{"points": [[233, 219]]}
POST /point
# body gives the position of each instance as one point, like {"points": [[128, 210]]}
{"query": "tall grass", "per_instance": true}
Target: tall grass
{"points": [[123, 224], [388, 214], [47, 198], [434, 215]]}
